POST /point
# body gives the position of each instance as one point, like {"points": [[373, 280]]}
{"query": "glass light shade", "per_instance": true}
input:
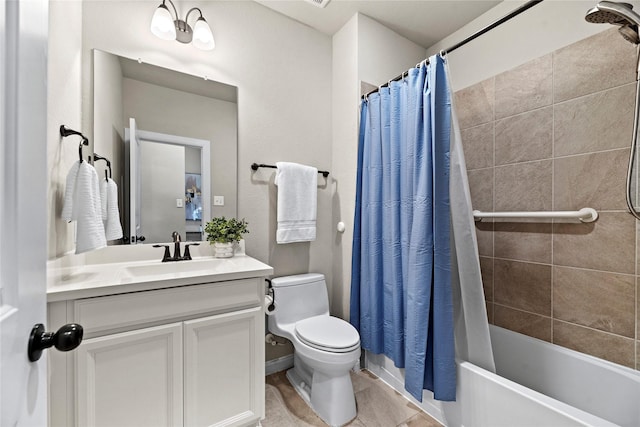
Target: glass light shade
{"points": [[202, 36], [162, 25]]}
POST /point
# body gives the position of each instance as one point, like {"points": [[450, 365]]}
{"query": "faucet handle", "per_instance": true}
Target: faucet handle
{"points": [[187, 254], [166, 255]]}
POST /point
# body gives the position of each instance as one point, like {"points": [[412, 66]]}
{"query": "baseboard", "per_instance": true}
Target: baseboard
{"points": [[279, 364]]}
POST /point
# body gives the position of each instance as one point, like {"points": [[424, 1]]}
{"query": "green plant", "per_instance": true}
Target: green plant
{"points": [[224, 230]]}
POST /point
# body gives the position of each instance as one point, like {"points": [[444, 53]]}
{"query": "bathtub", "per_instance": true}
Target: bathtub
{"points": [[537, 384]]}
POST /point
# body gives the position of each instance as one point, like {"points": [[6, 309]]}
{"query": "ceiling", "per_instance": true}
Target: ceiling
{"points": [[424, 22]]}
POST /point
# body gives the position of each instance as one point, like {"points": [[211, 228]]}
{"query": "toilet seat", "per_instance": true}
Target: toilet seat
{"points": [[328, 333]]}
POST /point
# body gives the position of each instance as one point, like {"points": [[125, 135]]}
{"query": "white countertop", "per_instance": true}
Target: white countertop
{"points": [[74, 277]]}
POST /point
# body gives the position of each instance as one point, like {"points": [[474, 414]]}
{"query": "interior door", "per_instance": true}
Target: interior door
{"points": [[23, 210]]}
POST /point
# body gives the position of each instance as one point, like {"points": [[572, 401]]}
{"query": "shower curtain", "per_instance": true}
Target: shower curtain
{"points": [[415, 274]]}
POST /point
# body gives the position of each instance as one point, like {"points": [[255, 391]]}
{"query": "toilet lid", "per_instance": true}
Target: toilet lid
{"points": [[328, 333]]}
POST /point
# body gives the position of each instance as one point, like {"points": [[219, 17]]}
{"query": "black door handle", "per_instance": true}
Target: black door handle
{"points": [[66, 338]]}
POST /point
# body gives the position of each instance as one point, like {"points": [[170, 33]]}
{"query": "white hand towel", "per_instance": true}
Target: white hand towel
{"points": [[110, 212], [297, 202], [82, 204]]}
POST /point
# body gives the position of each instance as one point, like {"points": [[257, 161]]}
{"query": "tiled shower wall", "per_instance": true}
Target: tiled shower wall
{"points": [[554, 134]]}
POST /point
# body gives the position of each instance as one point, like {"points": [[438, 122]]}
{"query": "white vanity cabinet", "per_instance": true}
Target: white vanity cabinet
{"points": [[180, 356]]}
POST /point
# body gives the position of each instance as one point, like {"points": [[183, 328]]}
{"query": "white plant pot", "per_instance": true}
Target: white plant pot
{"points": [[223, 250]]}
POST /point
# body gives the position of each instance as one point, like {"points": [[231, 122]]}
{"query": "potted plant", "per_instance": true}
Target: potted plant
{"points": [[223, 233]]}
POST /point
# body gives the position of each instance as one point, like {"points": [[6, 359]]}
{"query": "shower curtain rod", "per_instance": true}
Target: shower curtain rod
{"points": [[528, 5]]}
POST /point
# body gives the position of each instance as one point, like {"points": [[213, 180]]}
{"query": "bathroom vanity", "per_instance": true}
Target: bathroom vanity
{"points": [[165, 344]]}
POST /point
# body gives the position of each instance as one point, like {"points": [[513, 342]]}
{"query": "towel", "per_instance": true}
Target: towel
{"points": [[297, 202], [110, 212], [82, 204]]}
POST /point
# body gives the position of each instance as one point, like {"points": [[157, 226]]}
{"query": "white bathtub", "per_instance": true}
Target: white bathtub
{"points": [[537, 384]]}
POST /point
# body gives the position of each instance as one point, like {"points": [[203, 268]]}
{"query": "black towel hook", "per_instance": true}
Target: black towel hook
{"points": [[65, 131], [97, 157]]}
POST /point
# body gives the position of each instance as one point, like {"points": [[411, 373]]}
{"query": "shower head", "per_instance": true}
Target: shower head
{"points": [[630, 33], [621, 14]]}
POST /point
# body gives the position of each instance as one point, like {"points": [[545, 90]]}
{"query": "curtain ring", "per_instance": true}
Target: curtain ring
{"points": [[443, 53]]}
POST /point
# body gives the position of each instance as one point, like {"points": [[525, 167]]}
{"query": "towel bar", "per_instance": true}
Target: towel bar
{"points": [[256, 166]]}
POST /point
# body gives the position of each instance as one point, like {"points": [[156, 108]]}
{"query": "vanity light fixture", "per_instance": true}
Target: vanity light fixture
{"points": [[164, 26]]}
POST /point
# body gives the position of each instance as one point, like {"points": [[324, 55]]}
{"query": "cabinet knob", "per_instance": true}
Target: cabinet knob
{"points": [[66, 338]]}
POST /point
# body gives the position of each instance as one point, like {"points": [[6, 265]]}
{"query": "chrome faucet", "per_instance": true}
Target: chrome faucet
{"points": [[176, 249]]}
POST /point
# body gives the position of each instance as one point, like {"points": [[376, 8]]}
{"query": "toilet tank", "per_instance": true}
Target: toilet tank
{"points": [[299, 297]]}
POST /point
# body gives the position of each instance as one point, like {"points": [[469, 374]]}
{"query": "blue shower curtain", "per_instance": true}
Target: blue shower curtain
{"points": [[401, 293]]}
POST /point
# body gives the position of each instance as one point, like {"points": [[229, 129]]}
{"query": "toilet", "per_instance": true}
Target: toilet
{"points": [[326, 347]]}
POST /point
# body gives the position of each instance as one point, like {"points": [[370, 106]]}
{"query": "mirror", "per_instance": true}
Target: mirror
{"points": [[172, 142]]}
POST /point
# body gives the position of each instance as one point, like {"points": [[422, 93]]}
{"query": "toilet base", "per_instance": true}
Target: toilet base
{"points": [[331, 398]]}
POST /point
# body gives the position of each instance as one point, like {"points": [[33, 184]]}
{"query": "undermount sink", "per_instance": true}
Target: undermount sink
{"points": [[193, 266]]}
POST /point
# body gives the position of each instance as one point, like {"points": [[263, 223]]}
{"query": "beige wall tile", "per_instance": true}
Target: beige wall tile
{"points": [[604, 301], [484, 234], [596, 180], [596, 343], [602, 61], [523, 187], [607, 244], [486, 267], [524, 88], [524, 137], [474, 104], [529, 324], [522, 285], [478, 146], [637, 251], [597, 122], [481, 188], [523, 241], [524, 153]]}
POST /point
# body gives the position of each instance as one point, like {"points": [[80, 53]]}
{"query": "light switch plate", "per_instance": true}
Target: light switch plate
{"points": [[218, 200], [179, 203]]}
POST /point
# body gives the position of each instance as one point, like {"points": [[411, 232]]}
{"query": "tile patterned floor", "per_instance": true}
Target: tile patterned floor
{"points": [[378, 405]]}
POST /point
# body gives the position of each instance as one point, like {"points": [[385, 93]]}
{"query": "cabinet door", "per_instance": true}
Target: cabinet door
{"points": [[131, 379], [224, 369]]}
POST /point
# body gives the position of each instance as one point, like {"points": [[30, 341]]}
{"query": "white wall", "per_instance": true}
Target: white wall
{"points": [[160, 109], [345, 91], [64, 107], [108, 135], [382, 53], [283, 73], [192, 162], [363, 50], [542, 29]]}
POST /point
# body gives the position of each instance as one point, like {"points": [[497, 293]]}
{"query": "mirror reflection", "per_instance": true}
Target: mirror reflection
{"points": [[172, 141]]}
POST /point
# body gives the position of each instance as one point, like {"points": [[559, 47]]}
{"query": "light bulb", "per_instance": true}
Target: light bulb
{"points": [[162, 25], [202, 36]]}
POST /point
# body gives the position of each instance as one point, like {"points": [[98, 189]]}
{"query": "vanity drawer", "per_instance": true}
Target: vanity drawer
{"points": [[121, 312]]}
